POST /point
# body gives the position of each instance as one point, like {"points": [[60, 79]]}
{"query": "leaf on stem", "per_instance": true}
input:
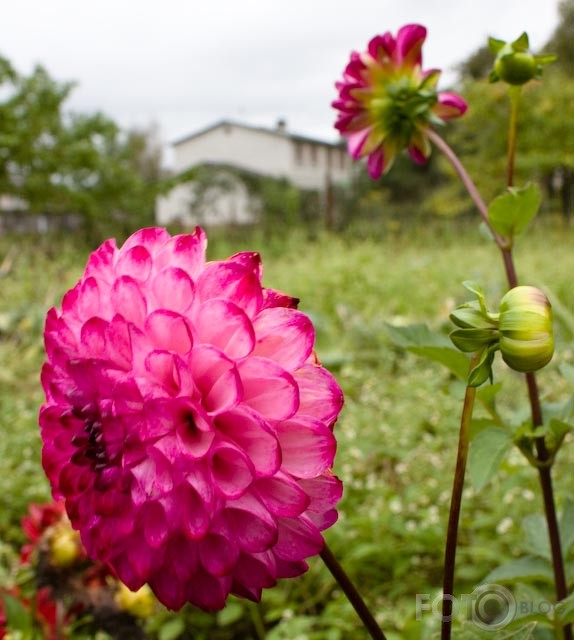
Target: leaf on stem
{"points": [[511, 212], [487, 451]]}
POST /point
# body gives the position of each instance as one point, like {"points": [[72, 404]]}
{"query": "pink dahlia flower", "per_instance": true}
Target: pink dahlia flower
{"points": [[188, 424], [387, 102]]}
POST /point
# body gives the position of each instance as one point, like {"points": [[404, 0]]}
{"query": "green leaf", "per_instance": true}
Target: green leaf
{"points": [[524, 633], [495, 45], [557, 431], [483, 370], [172, 629], [487, 451], [232, 613], [17, 615], [521, 43], [487, 394], [536, 535], [511, 212], [523, 569], [420, 340], [564, 610]]}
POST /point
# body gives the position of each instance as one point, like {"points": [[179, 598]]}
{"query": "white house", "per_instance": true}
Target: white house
{"points": [[305, 162]]}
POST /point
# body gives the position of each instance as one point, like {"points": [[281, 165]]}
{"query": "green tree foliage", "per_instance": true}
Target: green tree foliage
{"points": [[562, 41], [59, 162]]}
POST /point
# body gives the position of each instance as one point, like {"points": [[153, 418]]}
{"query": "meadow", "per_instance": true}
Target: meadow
{"points": [[397, 434]]}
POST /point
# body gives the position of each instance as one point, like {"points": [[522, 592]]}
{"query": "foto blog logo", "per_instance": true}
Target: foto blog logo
{"points": [[490, 607]]}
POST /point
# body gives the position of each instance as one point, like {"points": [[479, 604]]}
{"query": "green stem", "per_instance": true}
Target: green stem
{"points": [[352, 594], [533, 393], [455, 505], [257, 621], [514, 93]]}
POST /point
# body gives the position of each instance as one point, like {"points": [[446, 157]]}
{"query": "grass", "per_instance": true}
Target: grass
{"points": [[397, 434]]}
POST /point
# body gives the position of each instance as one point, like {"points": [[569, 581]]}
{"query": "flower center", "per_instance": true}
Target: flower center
{"points": [[400, 107], [90, 443]]}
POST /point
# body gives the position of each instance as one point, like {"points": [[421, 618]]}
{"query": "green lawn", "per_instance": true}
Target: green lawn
{"points": [[397, 434]]}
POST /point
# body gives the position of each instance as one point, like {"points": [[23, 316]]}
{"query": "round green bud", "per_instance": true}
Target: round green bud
{"points": [[516, 68], [525, 327]]}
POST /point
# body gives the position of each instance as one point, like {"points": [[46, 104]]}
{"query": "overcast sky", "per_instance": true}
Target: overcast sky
{"points": [[183, 64]]}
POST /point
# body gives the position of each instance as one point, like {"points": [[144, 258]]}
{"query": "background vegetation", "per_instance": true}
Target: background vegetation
{"points": [[397, 256]]}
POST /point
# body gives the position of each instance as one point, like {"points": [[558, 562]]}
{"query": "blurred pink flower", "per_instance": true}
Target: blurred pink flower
{"points": [[187, 423], [387, 102]]}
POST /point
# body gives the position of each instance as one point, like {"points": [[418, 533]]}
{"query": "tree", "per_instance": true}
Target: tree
{"points": [[59, 162]]}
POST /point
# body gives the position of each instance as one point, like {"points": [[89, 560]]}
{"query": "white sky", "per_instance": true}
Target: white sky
{"points": [[183, 64]]}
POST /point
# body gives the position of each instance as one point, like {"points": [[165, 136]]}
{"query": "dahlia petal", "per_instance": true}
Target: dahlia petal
{"points": [[324, 491], [376, 163], [255, 528], [417, 155], [283, 335], [186, 252], [171, 593], [208, 592], [232, 470], [298, 538], [153, 475], [218, 553], [128, 301], [135, 263], [100, 263], [217, 378], [253, 572], [153, 523], [93, 338], [247, 428], [382, 47], [161, 366], [119, 342], [320, 395], [88, 301], [225, 326], [185, 442], [192, 513], [282, 496], [173, 289], [307, 446], [290, 569], [231, 281], [250, 260], [449, 106], [169, 331], [125, 572], [152, 238], [323, 520], [356, 141], [268, 388], [410, 39], [273, 298]]}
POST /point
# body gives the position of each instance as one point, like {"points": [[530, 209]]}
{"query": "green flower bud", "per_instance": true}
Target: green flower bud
{"points": [[516, 68], [515, 64], [525, 326]]}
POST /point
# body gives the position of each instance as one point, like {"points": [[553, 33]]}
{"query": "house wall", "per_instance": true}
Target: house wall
{"points": [[257, 151]]}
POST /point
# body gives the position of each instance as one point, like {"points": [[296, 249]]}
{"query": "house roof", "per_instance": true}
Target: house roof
{"points": [[275, 132]]}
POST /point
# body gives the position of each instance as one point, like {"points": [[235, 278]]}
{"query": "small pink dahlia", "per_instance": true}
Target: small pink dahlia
{"points": [[387, 102], [188, 423]]}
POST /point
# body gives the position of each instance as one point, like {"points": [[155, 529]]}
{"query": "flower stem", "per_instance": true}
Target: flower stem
{"points": [[455, 504], [514, 93], [352, 594], [533, 393]]}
